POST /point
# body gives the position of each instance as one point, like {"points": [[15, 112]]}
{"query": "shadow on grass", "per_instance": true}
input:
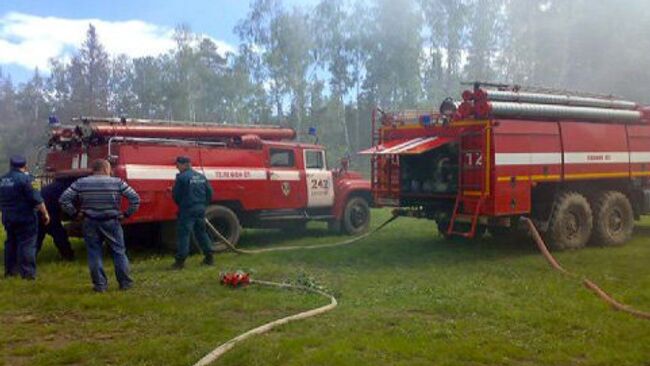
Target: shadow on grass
{"points": [[391, 248], [642, 230]]}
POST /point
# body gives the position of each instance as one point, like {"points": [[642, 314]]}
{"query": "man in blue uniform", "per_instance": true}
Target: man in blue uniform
{"points": [[192, 193], [99, 197], [20, 201], [51, 194]]}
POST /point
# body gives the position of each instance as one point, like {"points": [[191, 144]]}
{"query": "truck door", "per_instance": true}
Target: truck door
{"points": [[284, 185], [320, 187]]}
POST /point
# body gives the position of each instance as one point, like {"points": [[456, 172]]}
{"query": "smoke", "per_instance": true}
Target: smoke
{"points": [[596, 46]]}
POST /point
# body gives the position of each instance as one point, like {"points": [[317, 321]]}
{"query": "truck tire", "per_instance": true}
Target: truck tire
{"points": [[571, 222], [226, 222], [356, 216], [613, 219]]}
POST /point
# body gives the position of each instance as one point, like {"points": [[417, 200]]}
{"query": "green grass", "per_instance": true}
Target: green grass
{"points": [[407, 297]]}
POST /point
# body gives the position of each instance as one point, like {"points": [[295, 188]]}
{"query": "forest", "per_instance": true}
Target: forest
{"points": [[328, 64]]}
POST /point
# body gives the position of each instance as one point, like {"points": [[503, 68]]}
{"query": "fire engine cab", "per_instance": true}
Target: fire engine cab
{"points": [[579, 165], [262, 178]]}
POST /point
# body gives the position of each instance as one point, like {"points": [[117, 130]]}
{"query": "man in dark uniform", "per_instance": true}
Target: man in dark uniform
{"points": [[51, 194], [19, 201], [192, 193]]}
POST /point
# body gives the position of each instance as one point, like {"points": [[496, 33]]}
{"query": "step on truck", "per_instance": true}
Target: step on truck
{"points": [[578, 165], [262, 177]]}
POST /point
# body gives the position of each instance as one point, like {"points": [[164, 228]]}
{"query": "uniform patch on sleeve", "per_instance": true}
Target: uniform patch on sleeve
{"points": [[36, 184]]}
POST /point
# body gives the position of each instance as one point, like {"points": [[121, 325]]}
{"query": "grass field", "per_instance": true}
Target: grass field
{"points": [[407, 297]]}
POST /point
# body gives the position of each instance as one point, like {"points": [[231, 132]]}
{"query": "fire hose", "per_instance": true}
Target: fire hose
{"points": [[236, 279], [585, 281], [295, 247], [225, 347]]}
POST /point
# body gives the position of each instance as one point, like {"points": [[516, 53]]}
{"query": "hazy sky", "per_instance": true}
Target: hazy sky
{"points": [[32, 31]]}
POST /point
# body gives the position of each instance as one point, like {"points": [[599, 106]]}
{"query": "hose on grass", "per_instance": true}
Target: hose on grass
{"points": [[295, 247], [225, 347], [585, 281]]}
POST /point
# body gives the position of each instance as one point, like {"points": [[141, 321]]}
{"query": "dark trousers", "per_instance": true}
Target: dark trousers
{"points": [[185, 226], [95, 234], [59, 236], [20, 249]]}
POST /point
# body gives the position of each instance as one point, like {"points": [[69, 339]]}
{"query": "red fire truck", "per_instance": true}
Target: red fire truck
{"points": [[261, 176], [579, 165]]}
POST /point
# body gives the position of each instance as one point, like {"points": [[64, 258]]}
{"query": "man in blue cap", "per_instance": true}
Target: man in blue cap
{"points": [[192, 193], [20, 201]]}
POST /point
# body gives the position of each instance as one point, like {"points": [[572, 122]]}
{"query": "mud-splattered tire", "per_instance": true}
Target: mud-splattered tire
{"points": [[613, 219], [226, 222], [571, 222], [356, 216]]}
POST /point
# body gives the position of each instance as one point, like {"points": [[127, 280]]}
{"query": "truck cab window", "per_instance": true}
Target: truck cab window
{"points": [[314, 159], [281, 158]]}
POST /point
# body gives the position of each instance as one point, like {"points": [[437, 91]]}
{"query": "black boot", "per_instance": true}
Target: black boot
{"points": [[178, 265], [208, 260]]}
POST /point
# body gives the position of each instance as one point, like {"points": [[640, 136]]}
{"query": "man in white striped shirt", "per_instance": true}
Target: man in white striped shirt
{"points": [[99, 197]]}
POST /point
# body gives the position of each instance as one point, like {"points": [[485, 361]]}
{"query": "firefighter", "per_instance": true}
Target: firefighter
{"points": [[192, 193], [51, 194], [19, 201], [99, 200]]}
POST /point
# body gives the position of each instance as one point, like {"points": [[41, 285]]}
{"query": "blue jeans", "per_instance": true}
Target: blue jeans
{"points": [[20, 248], [95, 233]]}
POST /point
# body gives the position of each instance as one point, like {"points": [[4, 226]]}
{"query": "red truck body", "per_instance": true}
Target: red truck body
{"points": [[469, 171], [257, 183]]}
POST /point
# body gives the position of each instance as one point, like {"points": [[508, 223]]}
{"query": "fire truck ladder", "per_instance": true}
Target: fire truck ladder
{"points": [[471, 194]]}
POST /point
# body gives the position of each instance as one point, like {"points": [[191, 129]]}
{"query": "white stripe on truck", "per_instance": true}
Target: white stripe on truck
{"points": [[607, 157], [168, 172]]}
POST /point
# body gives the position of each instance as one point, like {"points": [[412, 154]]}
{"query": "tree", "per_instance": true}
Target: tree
{"points": [[334, 55], [395, 45], [484, 32], [88, 75], [122, 99]]}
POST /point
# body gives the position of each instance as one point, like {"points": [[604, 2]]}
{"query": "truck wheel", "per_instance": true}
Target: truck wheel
{"points": [[571, 222], [613, 219], [356, 216], [226, 222]]}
